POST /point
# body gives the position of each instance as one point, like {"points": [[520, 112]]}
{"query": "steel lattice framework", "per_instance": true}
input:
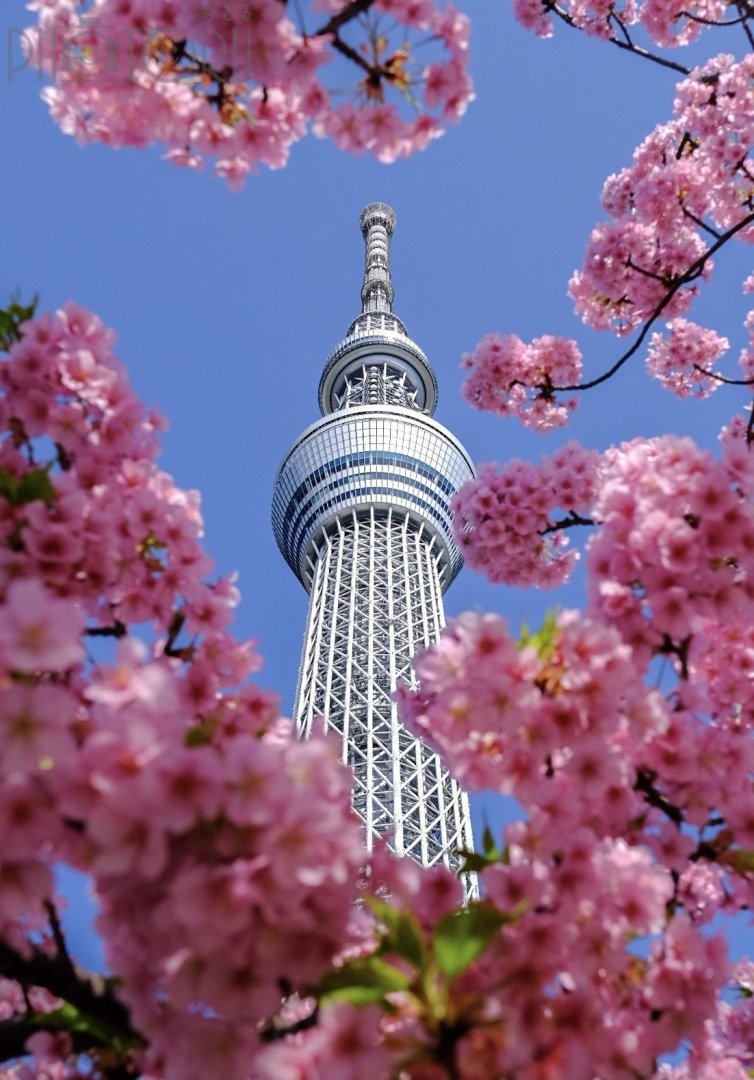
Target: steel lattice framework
{"points": [[361, 512]]}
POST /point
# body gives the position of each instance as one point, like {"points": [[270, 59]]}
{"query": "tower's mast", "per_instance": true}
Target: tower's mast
{"points": [[361, 512]]}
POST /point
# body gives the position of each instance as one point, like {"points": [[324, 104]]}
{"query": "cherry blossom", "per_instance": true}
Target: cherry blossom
{"points": [[248, 933], [512, 379], [240, 83], [682, 361], [506, 521], [208, 831]]}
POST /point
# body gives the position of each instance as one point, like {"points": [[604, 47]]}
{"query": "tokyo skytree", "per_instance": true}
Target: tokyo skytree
{"points": [[361, 513]]}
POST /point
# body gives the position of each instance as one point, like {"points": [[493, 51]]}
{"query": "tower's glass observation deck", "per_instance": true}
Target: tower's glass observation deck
{"points": [[361, 512]]}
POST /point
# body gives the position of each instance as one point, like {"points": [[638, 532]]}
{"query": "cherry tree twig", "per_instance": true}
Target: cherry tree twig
{"points": [[689, 275], [92, 994], [626, 43]]}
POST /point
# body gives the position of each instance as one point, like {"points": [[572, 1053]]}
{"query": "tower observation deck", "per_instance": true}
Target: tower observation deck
{"points": [[361, 513]]}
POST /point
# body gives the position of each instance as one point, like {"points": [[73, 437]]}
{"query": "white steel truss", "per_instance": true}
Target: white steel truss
{"points": [[375, 600], [362, 513]]}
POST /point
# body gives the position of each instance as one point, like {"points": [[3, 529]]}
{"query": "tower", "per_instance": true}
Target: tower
{"points": [[361, 513]]}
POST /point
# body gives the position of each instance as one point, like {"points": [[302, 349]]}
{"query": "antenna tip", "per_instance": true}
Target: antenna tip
{"points": [[377, 212]]}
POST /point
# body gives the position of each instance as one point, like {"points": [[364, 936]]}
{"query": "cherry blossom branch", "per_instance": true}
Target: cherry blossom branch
{"points": [[17, 1030], [57, 933], [90, 993], [567, 523], [691, 274], [273, 1031], [13, 1035], [714, 22], [349, 12], [700, 223], [222, 77], [722, 378], [742, 5], [628, 44], [117, 630], [645, 784]]}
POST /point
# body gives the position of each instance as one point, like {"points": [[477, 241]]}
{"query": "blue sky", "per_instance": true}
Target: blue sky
{"points": [[227, 306]]}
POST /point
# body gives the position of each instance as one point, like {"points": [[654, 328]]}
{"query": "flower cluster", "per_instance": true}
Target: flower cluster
{"points": [[223, 852], [510, 378], [529, 722], [239, 83], [505, 519], [682, 361], [690, 178], [667, 22], [564, 723], [676, 544]]}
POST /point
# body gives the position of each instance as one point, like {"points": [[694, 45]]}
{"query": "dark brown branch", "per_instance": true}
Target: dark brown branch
{"points": [[349, 12], [746, 8], [117, 630], [712, 22], [351, 54], [691, 274], [645, 785], [567, 523], [13, 1035], [90, 993], [722, 378], [626, 44], [58, 936], [16, 1030], [702, 224], [273, 1031], [662, 279]]}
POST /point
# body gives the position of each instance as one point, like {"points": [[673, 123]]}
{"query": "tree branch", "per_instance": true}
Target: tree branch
{"points": [[701, 224], [688, 276], [16, 1030], [349, 12], [117, 630], [13, 1035], [722, 378], [567, 523], [90, 993], [644, 783], [626, 44]]}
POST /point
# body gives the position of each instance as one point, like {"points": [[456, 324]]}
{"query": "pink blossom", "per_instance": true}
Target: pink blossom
{"points": [[513, 379], [683, 362], [39, 631], [129, 88]]}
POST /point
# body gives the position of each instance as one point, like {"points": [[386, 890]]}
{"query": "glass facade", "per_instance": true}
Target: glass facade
{"points": [[363, 457]]}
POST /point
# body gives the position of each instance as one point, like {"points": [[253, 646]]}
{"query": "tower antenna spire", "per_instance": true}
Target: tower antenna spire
{"points": [[377, 222]]}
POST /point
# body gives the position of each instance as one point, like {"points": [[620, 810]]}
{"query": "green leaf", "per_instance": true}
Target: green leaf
{"points": [[32, 486], [491, 854], [8, 485], [362, 982], [402, 935], [11, 318], [68, 1018], [543, 641], [742, 861], [35, 485], [474, 862], [461, 937]]}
